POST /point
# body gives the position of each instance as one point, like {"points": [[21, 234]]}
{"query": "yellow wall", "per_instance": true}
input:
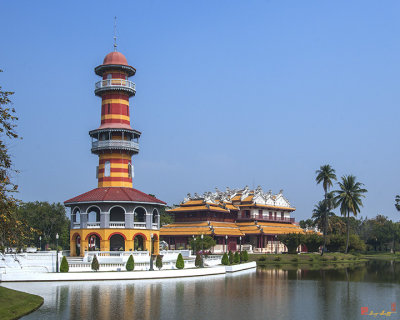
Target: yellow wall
{"points": [[105, 234]]}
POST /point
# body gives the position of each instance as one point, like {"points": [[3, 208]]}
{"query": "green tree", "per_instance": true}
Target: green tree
{"points": [[348, 198], [159, 262], [245, 256], [130, 264], [95, 264], [14, 232], [197, 261], [291, 241], [236, 257], [325, 175], [225, 259], [180, 264], [165, 217], [306, 223], [198, 244], [49, 219], [64, 267], [230, 256], [321, 214], [312, 241]]}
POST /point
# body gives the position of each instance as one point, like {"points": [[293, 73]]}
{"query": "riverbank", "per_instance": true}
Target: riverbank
{"points": [[15, 304], [306, 258], [124, 275]]}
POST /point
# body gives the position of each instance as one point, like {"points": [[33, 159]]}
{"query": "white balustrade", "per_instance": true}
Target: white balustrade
{"points": [[117, 225], [139, 225], [115, 83], [93, 225], [115, 144]]}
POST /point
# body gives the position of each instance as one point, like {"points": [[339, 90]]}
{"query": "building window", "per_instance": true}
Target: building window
{"points": [[130, 170], [107, 169], [282, 215]]}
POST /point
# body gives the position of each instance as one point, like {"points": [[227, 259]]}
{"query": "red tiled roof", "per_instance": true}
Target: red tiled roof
{"points": [[114, 194], [115, 58]]}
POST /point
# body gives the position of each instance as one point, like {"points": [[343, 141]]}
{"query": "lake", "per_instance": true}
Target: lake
{"points": [[337, 293]]}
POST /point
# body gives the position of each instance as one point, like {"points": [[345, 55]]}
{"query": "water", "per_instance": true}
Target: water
{"points": [[338, 293]]}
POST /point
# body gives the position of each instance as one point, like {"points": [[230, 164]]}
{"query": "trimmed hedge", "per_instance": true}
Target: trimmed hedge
{"points": [[180, 264], [95, 264], [159, 263], [64, 265], [130, 264], [225, 259]]}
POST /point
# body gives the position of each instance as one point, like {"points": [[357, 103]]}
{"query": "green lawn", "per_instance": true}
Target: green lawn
{"points": [[306, 258], [15, 304]]}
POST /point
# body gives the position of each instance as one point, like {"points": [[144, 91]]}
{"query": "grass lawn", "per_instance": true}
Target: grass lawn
{"points": [[15, 304], [305, 258]]}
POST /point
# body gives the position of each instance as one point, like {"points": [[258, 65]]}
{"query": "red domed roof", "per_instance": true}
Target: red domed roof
{"points": [[115, 58]]}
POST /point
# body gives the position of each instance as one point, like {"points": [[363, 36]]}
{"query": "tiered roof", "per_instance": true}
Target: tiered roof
{"points": [[232, 200]]}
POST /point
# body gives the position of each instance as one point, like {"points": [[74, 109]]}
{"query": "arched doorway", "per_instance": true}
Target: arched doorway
{"points": [[117, 243], [93, 214], [138, 242], [117, 214], [140, 215], [78, 246], [94, 242], [155, 216], [76, 216]]}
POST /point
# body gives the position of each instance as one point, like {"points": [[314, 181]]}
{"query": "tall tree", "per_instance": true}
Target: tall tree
{"points": [[349, 199], [321, 214], [13, 232], [325, 175]]}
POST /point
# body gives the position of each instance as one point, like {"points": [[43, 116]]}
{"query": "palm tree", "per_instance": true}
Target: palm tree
{"points": [[322, 210], [348, 197], [326, 175]]}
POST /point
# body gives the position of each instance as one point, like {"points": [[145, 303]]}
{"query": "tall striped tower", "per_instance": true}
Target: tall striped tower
{"points": [[115, 141], [114, 216]]}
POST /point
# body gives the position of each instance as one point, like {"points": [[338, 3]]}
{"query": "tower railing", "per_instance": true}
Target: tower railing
{"points": [[115, 83], [117, 144]]}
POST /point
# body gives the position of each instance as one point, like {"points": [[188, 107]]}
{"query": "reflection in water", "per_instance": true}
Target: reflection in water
{"points": [[304, 293]]}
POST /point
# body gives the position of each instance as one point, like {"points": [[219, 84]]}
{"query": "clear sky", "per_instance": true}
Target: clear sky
{"points": [[229, 93]]}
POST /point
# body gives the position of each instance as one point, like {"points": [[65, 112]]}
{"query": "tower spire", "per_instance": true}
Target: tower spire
{"points": [[115, 33]]}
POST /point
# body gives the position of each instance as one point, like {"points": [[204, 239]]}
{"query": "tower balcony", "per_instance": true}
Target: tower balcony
{"points": [[98, 146], [115, 84]]}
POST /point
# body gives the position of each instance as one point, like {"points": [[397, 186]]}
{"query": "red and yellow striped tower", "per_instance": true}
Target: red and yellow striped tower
{"points": [[115, 141], [114, 216]]}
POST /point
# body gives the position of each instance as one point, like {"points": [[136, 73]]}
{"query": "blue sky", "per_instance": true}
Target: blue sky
{"points": [[229, 93]]}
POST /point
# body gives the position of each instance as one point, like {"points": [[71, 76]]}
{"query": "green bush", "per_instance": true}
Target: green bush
{"points": [[197, 262], [295, 259], [130, 264], [225, 259], [236, 258], [291, 241], [180, 264], [64, 265], [159, 263], [245, 256], [95, 264], [312, 241], [230, 255], [277, 259], [241, 257]]}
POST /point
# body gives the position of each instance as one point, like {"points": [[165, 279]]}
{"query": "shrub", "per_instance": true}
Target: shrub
{"points": [[180, 264], [312, 241], [225, 259], [197, 262], [95, 264], [241, 256], [64, 265], [130, 264], [236, 258], [159, 263], [277, 259], [295, 259], [230, 255], [245, 256], [291, 241], [263, 258], [335, 258]]}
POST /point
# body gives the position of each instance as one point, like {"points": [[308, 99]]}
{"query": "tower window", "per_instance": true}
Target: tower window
{"points": [[130, 170], [107, 169]]}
